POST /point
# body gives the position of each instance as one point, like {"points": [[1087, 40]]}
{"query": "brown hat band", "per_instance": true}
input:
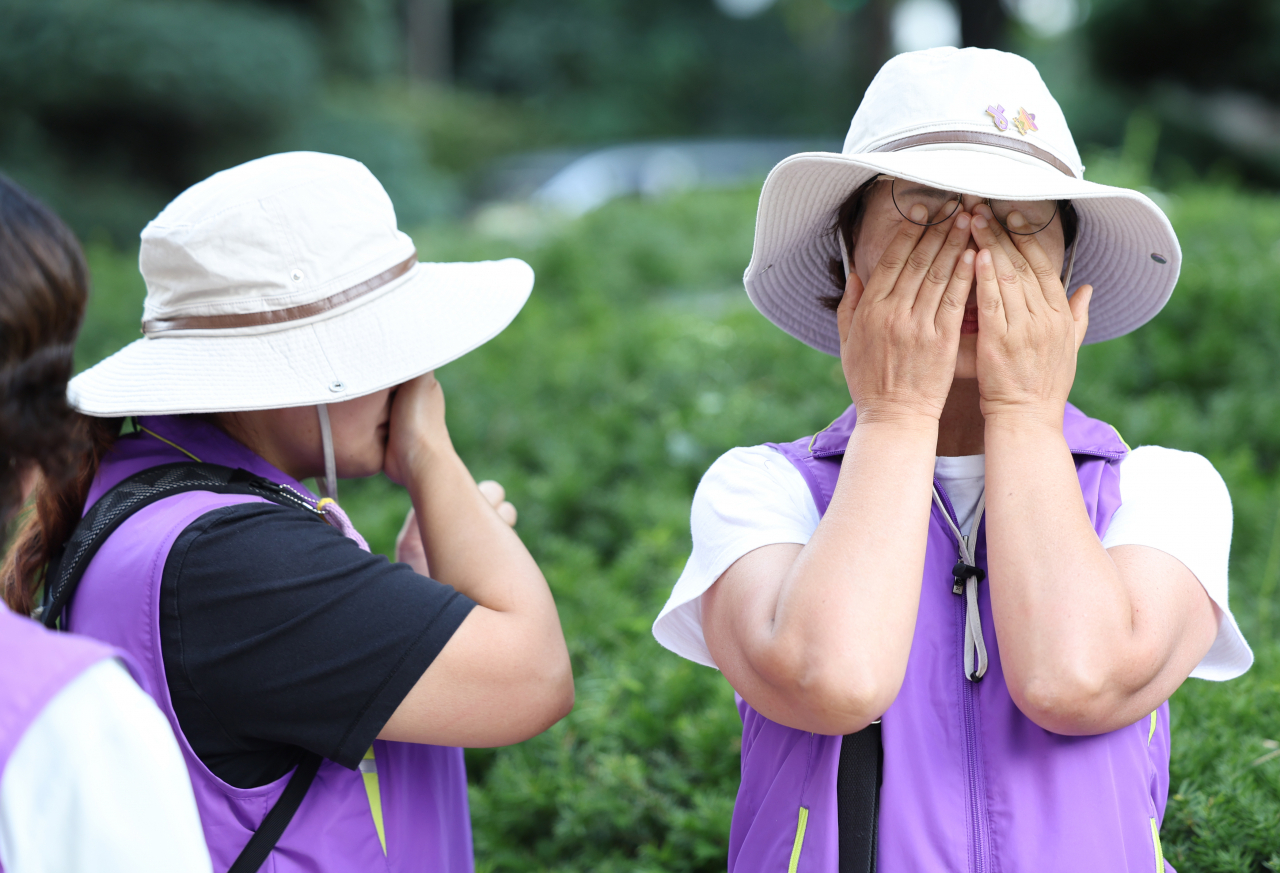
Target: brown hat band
{"points": [[975, 138], [279, 316]]}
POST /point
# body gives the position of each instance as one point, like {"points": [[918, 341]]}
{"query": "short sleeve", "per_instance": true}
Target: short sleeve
{"points": [[99, 764], [749, 498], [1177, 502], [280, 634]]}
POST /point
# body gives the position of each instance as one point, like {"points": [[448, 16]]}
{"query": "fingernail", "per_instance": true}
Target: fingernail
{"points": [[918, 213], [980, 222], [984, 257], [962, 221], [1015, 219], [967, 257]]}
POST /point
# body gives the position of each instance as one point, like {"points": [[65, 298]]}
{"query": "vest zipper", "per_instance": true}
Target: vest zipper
{"points": [[979, 833]]}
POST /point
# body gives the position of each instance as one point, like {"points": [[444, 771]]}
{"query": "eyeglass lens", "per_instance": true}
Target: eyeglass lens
{"points": [[940, 205]]}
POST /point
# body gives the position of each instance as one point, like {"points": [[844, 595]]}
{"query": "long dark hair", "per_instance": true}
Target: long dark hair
{"points": [[44, 285], [848, 221]]}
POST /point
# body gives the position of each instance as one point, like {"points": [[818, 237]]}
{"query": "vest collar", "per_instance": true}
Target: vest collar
{"points": [[192, 434], [1085, 436]]}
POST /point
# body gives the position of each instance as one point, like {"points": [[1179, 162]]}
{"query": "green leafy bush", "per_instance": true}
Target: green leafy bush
{"points": [[638, 360]]}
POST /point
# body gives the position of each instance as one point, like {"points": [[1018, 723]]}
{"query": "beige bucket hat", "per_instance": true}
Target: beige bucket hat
{"points": [[976, 121], [285, 282]]}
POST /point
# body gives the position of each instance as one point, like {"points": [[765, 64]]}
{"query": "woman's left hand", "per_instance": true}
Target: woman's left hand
{"points": [[1028, 331], [409, 549]]}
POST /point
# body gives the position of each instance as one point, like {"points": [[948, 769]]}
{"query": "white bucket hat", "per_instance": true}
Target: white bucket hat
{"points": [[285, 282], [979, 122]]}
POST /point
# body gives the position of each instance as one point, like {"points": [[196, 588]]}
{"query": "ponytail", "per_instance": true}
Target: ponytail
{"points": [[59, 504]]}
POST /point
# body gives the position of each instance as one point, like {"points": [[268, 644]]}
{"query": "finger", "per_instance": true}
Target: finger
{"points": [[894, 259], [410, 523], [1079, 304], [990, 234], [938, 278], [921, 260], [1009, 281], [992, 318], [853, 289], [1047, 275], [507, 513], [492, 491], [950, 311]]}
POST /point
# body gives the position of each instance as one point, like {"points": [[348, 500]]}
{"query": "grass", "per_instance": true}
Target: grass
{"points": [[639, 360]]}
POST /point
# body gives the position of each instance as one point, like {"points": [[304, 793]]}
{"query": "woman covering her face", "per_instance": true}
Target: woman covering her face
{"points": [[91, 779], [319, 693], [954, 616]]}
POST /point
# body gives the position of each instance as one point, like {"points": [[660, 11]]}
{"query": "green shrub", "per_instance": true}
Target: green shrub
{"points": [[638, 360]]}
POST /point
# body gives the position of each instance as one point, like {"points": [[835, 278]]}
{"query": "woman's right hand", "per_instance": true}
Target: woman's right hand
{"points": [[417, 426], [900, 334]]}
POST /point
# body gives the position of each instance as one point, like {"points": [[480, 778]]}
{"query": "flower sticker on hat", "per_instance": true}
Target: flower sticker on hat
{"points": [[997, 115], [1024, 121]]}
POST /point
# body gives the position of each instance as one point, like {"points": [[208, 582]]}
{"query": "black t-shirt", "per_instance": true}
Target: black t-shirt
{"points": [[280, 634]]}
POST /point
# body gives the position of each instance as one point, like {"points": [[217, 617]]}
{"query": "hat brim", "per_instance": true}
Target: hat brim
{"points": [[433, 315], [1126, 248]]}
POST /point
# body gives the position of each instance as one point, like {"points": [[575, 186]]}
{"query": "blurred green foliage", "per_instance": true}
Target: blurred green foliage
{"points": [[109, 108], [638, 360]]}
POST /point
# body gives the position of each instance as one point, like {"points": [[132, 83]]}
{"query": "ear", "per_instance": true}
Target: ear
{"points": [[848, 303], [1079, 304]]}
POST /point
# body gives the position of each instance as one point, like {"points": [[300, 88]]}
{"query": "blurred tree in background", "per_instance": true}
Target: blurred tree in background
{"points": [[1207, 70]]}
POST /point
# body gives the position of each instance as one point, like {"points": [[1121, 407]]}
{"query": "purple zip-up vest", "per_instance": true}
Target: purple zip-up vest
{"points": [[422, 789], [38, 664], [970, 783]]}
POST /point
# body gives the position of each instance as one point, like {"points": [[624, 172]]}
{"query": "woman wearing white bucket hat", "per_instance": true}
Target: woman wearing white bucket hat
{"points": [[318, 692], [954, 626]]}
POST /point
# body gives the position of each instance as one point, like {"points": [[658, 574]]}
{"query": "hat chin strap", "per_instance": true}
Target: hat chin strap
{"points": [[329, 485]]}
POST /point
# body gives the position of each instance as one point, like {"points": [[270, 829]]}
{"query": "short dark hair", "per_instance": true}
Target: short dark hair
{"points": [[848, 221]]}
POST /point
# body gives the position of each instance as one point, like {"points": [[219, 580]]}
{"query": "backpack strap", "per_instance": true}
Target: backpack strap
{"points": [[130, 495], [858, 779], [255, 852]]}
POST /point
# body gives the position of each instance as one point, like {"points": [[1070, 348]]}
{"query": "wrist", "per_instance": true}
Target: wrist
{"points": [[1024, 419], [909, 418]]}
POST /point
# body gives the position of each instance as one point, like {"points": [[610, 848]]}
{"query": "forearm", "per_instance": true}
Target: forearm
{"points": [[467, 544], [1062, 611], [840, 630]]}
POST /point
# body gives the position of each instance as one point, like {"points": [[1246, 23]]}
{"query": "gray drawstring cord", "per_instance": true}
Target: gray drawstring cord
{"points": [[975, 648], [330, 483]]}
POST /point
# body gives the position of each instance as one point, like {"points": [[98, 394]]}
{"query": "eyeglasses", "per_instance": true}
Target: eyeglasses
{"points": [[940, 205]]}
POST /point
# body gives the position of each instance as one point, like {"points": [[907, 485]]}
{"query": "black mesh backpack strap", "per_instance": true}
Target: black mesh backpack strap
{"points": [[142, 489], [858, 798], [132, 494]]}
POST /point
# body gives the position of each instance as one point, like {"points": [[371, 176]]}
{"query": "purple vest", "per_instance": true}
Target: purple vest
{"points": [[38, 664], [970, 783], [422, 789]]}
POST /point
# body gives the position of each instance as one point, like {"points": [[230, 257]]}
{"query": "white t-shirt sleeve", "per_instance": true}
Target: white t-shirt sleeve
{"points": [[1176, 502], [97, 785], [750, 497]]}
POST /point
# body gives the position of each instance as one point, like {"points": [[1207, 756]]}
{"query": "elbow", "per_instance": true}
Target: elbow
{"points": [[549, 694], [833, 696], [1065, 701]]}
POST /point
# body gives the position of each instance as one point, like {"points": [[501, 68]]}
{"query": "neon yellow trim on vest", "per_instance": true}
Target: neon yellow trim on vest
{"points": [[1122, 439], [370, 773], [1151, 733], [795, 849], [170, 443], [1155, 838]]}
